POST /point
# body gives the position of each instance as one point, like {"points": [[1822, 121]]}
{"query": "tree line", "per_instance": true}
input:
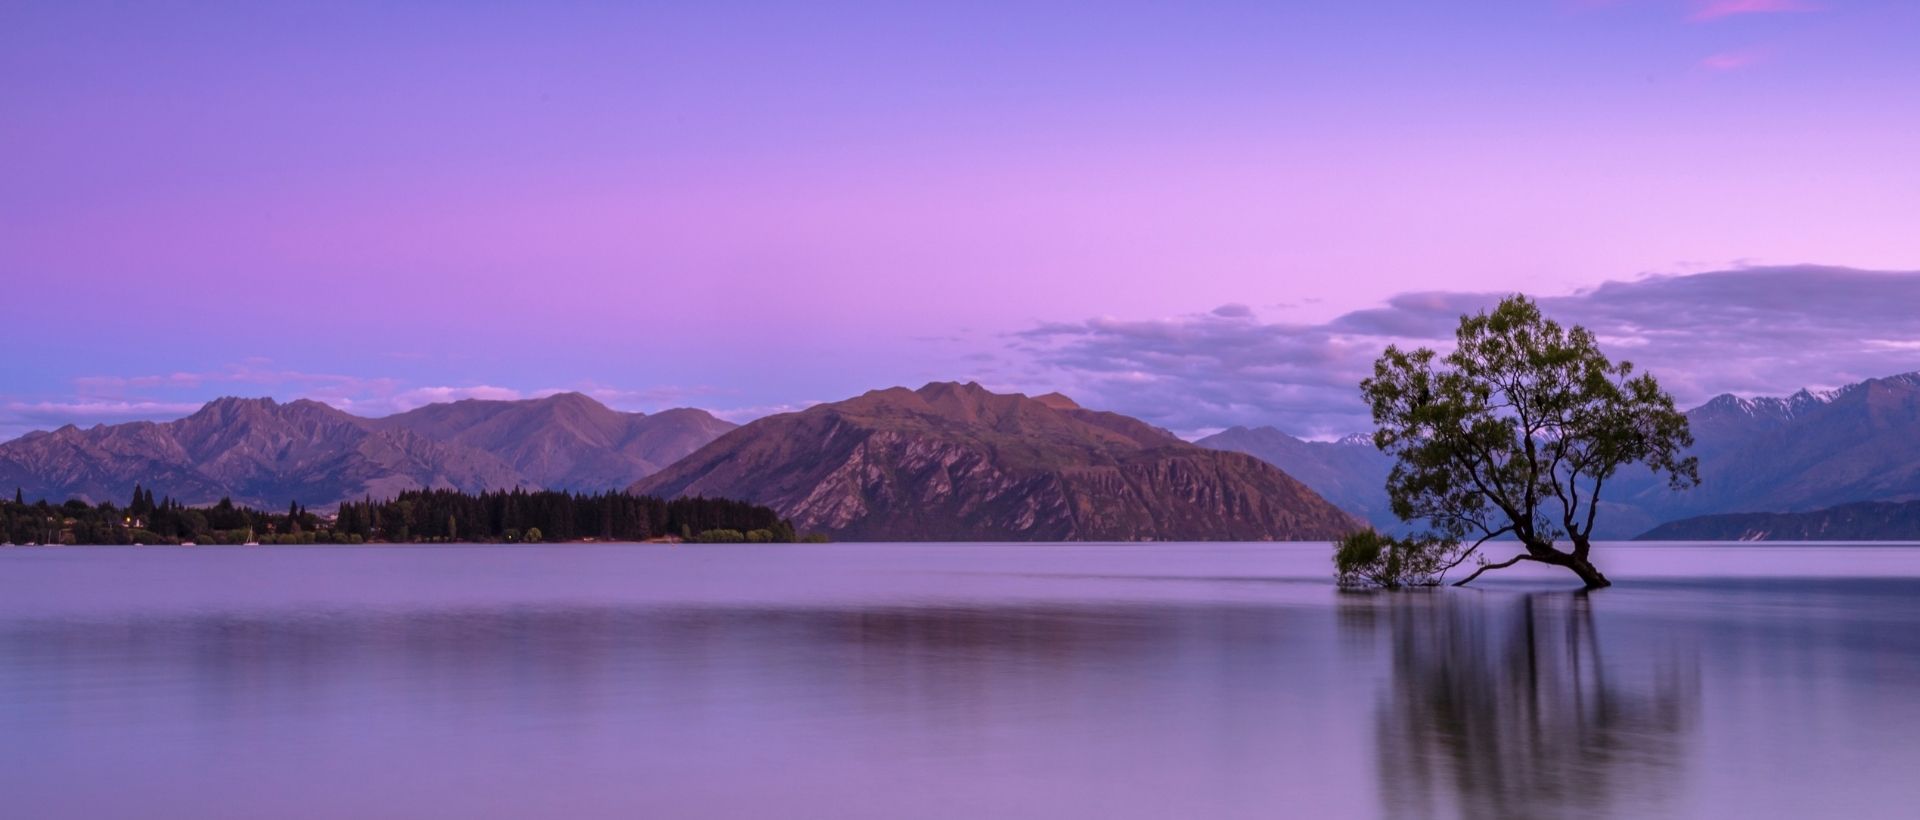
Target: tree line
{"points": [[549, 515], [419, 516]]}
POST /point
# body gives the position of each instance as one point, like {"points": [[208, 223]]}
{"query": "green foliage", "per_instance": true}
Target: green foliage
{"points": [[534, 535], [1368, 558], [721, 536], [1517, 431]]}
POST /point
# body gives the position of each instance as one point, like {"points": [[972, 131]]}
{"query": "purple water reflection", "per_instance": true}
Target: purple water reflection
{"points": [[947, 681]]}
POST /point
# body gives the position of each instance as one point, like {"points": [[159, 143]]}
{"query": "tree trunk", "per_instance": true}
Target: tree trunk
{"points": [[1546, 554], [1588, 574]]}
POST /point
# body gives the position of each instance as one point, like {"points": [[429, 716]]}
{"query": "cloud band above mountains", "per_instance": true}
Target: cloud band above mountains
{"points": [[1760, 330]]}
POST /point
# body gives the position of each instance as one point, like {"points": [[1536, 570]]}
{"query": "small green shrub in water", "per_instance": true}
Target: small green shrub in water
{"points": [[1369, 559]]}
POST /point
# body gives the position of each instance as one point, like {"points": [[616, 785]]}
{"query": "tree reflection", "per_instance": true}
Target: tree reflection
{"points": [[1509, 708]]}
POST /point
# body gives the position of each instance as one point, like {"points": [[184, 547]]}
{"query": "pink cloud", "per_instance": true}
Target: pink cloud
{"points": [[250, 371], [131, 396], [742, 415], [1732, 60], [433, 395], [100, 409], [1718, 9]]}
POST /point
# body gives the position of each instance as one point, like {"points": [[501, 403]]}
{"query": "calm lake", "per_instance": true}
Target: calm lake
{"points": [[952, 680]]}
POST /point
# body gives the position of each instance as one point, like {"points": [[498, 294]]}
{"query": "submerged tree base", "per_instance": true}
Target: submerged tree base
{"points": [[1369, 559], [1589, 575]]}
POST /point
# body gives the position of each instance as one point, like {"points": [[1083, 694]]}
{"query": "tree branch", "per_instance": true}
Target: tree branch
{"points": [[1568, 508], [1593, 507], [1574, 466], [1491, 534], [1499, 499], [1502, 565]]}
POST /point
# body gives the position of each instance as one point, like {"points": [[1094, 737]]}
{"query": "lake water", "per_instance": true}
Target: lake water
{"points": [[991, 680]]}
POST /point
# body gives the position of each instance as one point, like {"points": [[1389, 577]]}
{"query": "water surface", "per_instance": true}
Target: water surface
{"points": [[954, 680]]}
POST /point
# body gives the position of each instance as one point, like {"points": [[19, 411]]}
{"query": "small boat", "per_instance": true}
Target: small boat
{"points": [[188, 544], [251, 544]]}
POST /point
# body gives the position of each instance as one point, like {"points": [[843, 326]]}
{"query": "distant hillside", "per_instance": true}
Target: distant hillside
{"points": [[265, 454], [956, 462], [1804, 452], [1863, 521], [566, 441], [1801, 453], [1349, 472]]}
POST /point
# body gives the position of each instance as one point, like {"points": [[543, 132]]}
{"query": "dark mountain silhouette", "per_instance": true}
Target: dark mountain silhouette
{"points": [[956, 462], [1861, 521], [263, 453]]}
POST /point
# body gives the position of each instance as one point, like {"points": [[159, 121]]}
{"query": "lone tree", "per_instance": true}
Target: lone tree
{"points": [[1516, 433]]}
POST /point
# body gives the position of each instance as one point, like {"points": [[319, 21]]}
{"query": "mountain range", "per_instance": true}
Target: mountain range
{"points": [[1800, 453], [1859, 521], [953, 461], [265, 454], [957, 462]]}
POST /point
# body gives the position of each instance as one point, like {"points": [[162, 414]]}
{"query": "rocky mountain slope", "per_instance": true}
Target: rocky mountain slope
{"points": [[266, 454], [956, 462]]}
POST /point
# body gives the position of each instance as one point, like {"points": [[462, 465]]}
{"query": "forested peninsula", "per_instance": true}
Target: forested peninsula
{"points": [[419, 516]]}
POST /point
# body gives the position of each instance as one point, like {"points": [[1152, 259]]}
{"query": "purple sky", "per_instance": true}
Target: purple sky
{"points": [[748, 206]]}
